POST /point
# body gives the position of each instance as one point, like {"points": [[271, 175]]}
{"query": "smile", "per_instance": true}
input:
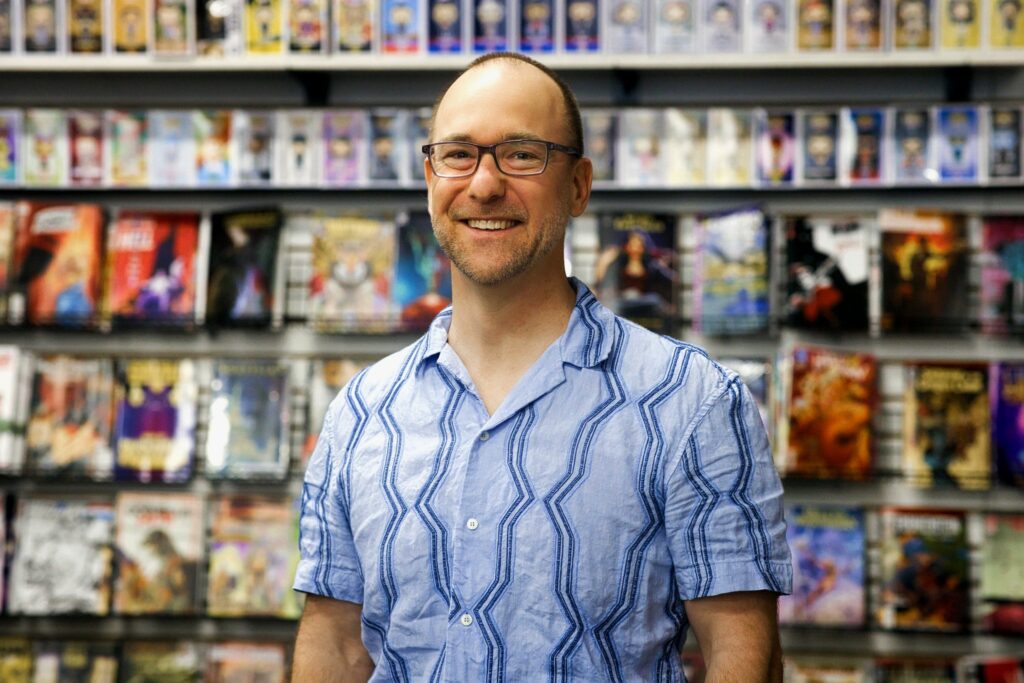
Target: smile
{"points": [[490, 224]]}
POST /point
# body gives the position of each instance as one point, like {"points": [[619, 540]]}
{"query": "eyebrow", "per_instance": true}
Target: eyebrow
{"points": [[515, 135]]}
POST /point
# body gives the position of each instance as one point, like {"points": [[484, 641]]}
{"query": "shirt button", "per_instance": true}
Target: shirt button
{"points": [[484, 436], [472, 524], [467, 620]]}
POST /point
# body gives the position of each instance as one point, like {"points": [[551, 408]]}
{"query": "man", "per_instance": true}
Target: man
{"points": [[535, 490]]}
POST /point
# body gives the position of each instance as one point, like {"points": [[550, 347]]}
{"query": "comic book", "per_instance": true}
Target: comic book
{"points": [[155, 418], [863, 28], [1004, 144], [172, 24], [158, 548], [42, 26], [600, 137], [172, 149], [252, 559], [913, 161], [445, 27], [583, 25], [344, 147], [636, 270], [959, 24], [126, 154], [423, 279], [831, 670], [827, 272], [242, 279], [70, 422], [1002, 280], [626, 26], [828, 567], [298, 147], [401, 26], [675, 26], [990, 669], [492, 25], [264, 27], [44, 161], [212, 131], [776, 147], [731, 285], [15, 660], [74, 662], [328, 377], [253, 147], [8, 24], [730, 148], [721, 25], [386, 146], [815, 25], [1006, 24], [640, 156], [353, 23], [86, 23], [924, 570], [958, 144], [307, 27], [536, 26], [924, 271], [15, 390], [247, 434], [61, 561], [219, 28], [906, 670], [130, 26], [1002, 574], [163, 662], [1006, 383], [826, 429], [946, 426], [8, 225], [418, 134], [57, 257], [151, 269], [237, 661], [10, 146], [685, 147], [864, 141], [353, 268], [912, 23], [770, 28]]}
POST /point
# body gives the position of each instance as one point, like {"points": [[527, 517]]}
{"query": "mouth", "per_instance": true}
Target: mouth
{"points": [[490, 224]]}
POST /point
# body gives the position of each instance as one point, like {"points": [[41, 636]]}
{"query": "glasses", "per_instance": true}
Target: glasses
{"points": [[513, 157]]}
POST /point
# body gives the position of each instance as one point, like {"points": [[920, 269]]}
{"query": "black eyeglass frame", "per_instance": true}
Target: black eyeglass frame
{"points": [[490, 149]]}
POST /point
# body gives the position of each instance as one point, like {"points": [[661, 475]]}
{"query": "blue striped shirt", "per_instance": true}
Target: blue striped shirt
{"points": [[557, 538]]}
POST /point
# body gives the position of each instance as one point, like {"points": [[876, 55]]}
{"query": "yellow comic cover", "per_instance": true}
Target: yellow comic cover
{"points": [[1006, 28], [130, 26], [263, 27], [85, 26], [959, 24]]}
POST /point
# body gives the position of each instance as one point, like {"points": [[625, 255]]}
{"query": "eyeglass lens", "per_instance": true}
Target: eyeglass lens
{"points": [[514, 157]]}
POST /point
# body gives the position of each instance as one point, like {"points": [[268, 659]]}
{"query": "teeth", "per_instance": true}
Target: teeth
{"points": [[490, 225]]}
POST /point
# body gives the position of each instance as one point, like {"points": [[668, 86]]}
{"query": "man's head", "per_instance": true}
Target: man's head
{"points": [[495, 226]]}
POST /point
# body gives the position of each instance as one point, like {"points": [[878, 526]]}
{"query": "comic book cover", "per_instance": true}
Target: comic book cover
{"points": [[129, 26], [126, 153], [45, 152], [212, 131], [901, 670], [386, 146], [826, 432], [328, 377], [1002, 574], [820, 132], [990, 669], [86, 26], [8, 224], [243, 276], [770, 27], [626, 26], [62, 557], [776, 148], [298, 147], [730, 147], [1004, 144], [252, 559], [958, 144], [423, 281], [166, 662], [832, 670], [599, 140], [959, 24], [172, 23], [635, 274], [73, 662], [10, 146], [1006, 25], [640, 157], [815, 25], [172, 149], [42, 26], [57, 257], [924, 271], [70, 421], [924, 581], [862, 25], [828, 567], [307, 26], [219, 28], [536, 26], [253, 147], [731, 284], [946, 425], [236, 661], [913, 161], [401, 26], [583, 21], [158, 547], [15, 660], [756, 375], [722, 25], [685, 147], [492, 25], [264, 27], [345, 146], [8, 22], [418, 134], [154, 425], [15, 387], [445, 27], [1002, 279], [353, 23], [1007, 386], [675, 26], [85, 147], [863, 135], [827, 271], [912, 24]]}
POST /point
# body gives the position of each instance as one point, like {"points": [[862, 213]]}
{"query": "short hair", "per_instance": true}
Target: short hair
{"points": [[573, 121]]}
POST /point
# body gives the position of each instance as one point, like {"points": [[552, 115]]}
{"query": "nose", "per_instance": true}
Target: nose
{"points": [[488, 182]]}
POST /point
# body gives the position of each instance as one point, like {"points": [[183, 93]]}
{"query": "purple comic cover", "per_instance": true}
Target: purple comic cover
{"points": [[776, 148], [343, 137], [1002, 274], [1007, 386]]}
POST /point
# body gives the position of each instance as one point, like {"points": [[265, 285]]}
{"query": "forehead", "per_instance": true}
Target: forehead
{"points": [[499, 99]]}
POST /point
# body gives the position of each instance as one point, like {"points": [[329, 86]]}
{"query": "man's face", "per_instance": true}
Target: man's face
{"points": [[496, 227]]}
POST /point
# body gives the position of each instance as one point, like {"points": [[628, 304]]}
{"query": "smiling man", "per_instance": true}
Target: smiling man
{"points": [[536, 490]]}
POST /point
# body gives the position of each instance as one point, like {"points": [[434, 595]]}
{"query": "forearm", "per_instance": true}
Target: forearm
{"points": [[745, 665], [329, 649], [738, 634]]}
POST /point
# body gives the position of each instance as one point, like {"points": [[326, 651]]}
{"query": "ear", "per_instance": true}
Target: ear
{"points": [[582, 179], [428, 174]]}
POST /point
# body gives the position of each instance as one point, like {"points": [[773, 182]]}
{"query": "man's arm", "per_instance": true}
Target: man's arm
{"points": [[738, 634], [329, 646]]}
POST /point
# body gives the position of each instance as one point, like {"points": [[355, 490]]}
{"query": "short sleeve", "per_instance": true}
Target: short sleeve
{"points": [[328, 562], [723, 504]]}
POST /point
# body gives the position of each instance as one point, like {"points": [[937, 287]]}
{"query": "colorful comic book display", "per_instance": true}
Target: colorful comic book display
{"points": [[242, 279]]}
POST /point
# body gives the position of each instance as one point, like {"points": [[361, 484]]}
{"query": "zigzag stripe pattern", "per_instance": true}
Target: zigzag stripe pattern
{"points": [[696, 531]]}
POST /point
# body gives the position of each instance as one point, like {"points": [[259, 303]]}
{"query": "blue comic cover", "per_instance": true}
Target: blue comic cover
{"points": [[821, 147], [1004, 139], [247, 435], [828, 566], [537, 26], [776, 147], [400, 26], [445, 21], [1007, 386], [9, 138], [491, 24], [912, 160], [423, 279], [957, 143], [582, 22]]}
